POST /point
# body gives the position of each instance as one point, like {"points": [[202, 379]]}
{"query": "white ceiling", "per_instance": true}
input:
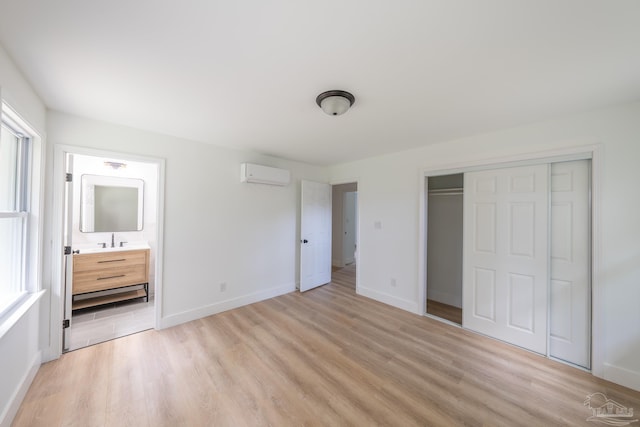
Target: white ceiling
{"points": [[245, 73]]}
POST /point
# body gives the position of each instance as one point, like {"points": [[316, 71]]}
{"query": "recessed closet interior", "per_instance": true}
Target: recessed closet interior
{"points": [[444, 246]]}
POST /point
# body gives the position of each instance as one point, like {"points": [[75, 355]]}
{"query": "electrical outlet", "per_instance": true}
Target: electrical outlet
{"points": [[393, 283], [223, 286]]}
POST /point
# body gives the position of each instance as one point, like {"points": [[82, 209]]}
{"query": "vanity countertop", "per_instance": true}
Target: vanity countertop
{"points": [[93, 249]]}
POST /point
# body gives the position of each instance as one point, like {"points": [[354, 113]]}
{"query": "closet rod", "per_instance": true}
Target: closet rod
{"points": [[446, 192], [456, 193]]}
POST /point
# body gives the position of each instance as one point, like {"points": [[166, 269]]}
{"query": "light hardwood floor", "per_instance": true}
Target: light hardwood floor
{"points": [[445, 311], [325, 357]]}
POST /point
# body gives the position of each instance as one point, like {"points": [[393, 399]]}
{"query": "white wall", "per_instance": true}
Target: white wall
{"points": [[389, 193], [19, 345], [216, 229]]}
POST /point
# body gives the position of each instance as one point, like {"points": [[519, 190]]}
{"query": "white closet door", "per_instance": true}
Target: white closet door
{"points": [[570, 263], [506, 257]]}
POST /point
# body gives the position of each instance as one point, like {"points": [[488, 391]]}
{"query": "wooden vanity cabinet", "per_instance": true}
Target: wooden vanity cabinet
{"points": [[124, 272]]}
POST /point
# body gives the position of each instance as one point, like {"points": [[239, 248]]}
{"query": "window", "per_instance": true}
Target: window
{"points": [[15, 173]]}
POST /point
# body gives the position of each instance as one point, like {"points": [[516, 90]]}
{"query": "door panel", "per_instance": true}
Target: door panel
{"points": [[522, 230], [570, 287], [506, 255], [522, 302], [485, 228], [561, 297], [485, 294], [315, 235]]}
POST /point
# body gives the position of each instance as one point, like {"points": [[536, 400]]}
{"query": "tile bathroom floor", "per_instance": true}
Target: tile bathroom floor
{"points": [[98, 324]]}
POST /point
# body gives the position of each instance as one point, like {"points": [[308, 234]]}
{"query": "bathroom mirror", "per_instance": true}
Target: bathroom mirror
{"points": [[110, 204]]}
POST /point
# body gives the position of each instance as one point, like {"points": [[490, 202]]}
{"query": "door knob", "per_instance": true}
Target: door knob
{"points": [[305, 241]]}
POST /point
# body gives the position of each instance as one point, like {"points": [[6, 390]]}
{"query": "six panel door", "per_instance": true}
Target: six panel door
{"points": [[570, 284], [505, 254]]}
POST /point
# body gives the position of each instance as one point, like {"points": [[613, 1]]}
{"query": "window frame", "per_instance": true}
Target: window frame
{"points": [[28, 202]]}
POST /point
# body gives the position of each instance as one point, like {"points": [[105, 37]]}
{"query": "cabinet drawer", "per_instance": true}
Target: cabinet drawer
{"points": [[91, 281], [108, 260]]}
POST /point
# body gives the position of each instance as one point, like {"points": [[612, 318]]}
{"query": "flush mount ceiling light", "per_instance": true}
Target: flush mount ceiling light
{"points": [[335, 102], [115, 165]]}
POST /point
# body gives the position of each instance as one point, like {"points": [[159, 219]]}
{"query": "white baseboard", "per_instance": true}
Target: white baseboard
{"points": [[622, 376], [401, 303], [219, 307], [445, 298], [11, 409]]}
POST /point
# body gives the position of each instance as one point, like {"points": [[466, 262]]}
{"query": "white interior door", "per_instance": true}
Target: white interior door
{"points": [[569, 329], [68, 255], [315, 235], [506, 257]]}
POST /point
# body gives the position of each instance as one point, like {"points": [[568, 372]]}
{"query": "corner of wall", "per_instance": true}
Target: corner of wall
{"points": [[401, 303], [230, 304]]}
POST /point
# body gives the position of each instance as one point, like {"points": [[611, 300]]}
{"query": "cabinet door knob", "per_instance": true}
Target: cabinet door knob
{"points": [[305, 241]]}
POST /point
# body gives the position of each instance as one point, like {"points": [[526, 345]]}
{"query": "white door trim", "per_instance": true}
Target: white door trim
{"points": [[57, 275], [588, 151]]}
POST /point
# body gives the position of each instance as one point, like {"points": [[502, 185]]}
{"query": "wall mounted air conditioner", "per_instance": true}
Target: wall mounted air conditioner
{"points": [[259, 174]]}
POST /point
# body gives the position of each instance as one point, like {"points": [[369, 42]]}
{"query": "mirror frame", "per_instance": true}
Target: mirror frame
{"points": [[88, 183]]}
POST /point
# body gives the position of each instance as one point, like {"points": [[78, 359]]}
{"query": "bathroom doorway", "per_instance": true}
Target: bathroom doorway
{"points": [[112, 240]]}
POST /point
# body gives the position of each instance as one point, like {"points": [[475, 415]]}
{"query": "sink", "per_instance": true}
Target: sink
{"points": [[86, 249]]}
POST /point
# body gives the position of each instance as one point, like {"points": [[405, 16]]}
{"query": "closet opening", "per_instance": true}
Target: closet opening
{"points": [[508, 250], [444, 246]]}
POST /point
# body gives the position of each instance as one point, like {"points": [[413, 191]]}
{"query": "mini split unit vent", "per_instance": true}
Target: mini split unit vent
{"points": [[259, 174]]}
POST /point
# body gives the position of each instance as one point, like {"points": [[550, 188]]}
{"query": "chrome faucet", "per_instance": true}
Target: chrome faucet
{"points": [[113, 242]]}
